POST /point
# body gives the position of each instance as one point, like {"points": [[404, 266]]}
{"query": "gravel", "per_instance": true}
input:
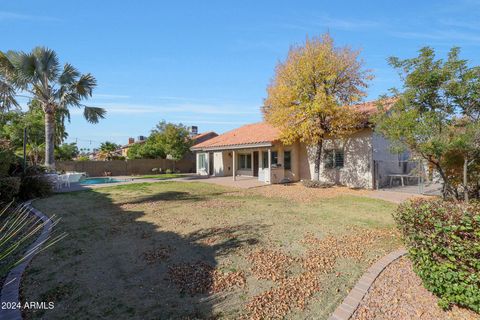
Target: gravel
{"points": [[398, 293]]}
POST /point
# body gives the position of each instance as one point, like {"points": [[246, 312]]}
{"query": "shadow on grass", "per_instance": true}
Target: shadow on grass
{"points": [[115, 264]]}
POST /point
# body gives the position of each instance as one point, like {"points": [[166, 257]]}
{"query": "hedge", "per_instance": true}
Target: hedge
{"points": [[443, 241], [9, 188]]}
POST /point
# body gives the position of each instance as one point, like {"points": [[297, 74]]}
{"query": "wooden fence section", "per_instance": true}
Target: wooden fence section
{"points": [[125, 167]]}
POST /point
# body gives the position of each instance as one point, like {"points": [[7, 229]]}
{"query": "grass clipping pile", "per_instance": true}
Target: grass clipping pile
{"points": [[293, 291]]}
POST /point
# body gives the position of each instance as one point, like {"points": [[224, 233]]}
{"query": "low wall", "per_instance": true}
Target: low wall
{"points": [[125, 167]]}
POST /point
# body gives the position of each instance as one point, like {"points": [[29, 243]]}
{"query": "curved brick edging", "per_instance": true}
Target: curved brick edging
{"points": [[353, 299], [11, 287]]}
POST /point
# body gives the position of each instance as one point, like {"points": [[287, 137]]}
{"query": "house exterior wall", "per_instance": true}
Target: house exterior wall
{"points": [[293, 174], [222, 163], [358, 164], [359, 151]]}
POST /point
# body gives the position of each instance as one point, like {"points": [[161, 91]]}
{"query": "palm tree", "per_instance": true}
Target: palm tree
{"points": [[7, 90], [56, 89]]}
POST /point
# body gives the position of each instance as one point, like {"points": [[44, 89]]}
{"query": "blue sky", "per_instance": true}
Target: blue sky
{"points": [[207, 63]]}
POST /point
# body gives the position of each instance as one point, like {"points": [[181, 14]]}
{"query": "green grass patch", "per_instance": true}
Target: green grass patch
{"points": [[164, 176]]}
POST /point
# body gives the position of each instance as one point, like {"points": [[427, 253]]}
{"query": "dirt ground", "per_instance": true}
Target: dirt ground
{"points": [[398, 293], [193, 250]]}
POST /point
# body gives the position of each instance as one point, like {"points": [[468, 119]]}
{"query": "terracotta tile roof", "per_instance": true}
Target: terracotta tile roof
{"points": [[371, 107], [262, 132], [254, 133]]}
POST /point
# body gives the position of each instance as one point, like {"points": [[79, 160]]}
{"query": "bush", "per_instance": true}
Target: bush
{"points": [[7, 157], [316, 184], [155, 170], [168, 171], [34, 184], [9, 188], [443, 240]]}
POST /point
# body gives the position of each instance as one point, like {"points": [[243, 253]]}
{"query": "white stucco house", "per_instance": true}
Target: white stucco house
{"points": [[255, 150]]}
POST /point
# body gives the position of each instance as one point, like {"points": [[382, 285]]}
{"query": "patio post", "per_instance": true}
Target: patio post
{"points": [[269, 165], [234, 165]]}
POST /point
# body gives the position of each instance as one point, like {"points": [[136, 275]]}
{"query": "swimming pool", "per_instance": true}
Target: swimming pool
{"points": [[101, 180]]}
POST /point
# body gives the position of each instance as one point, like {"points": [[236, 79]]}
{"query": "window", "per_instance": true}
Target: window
{"points": [[264, 159], [287, 160], [245, 161], [274, 158], [202, 161], [334, 159]]}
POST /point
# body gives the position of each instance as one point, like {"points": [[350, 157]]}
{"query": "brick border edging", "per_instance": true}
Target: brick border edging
{"points": [[351, 302], [11, 287]]}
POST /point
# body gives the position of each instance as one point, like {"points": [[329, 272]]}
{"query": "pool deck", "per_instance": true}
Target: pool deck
{"points": [[80, 187]]}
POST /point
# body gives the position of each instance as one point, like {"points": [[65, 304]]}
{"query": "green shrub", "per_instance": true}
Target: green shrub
{"points": [[316, 184], [168, 171], [35, 187], [443, 240], [7, 157], [9, 188], [34, 184]]}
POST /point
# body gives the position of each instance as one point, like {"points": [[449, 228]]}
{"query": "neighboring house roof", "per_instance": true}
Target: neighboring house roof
{"points": [[201, 137], [247, 135], [131, 144], [264, 134]]}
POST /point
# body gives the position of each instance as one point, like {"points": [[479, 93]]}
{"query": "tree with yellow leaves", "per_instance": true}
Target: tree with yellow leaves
{"points": [[310, 97]]}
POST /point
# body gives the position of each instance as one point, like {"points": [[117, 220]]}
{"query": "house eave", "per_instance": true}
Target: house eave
{"points": [[234, 147]]}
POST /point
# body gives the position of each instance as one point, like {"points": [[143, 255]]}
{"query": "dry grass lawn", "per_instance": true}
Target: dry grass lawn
{"points": [[195, 250]]}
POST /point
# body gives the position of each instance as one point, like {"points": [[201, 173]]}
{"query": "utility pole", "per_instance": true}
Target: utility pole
{"points": [[24, 149]]}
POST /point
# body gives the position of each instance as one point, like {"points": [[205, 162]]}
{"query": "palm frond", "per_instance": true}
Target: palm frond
{"points": [[46, 63], [24, 64], [69, 75], [7, 97], [94, 114], [85, 85], [7, 70]]}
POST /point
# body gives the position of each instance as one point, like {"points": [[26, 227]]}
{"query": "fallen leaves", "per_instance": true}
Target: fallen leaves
{"points": [[200, 277], [297, 192], [321, 257], [157, 254], [278, 302], [269, 264]]}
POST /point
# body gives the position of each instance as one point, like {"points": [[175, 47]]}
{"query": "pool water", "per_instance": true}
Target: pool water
{"points": [[101, 180]]}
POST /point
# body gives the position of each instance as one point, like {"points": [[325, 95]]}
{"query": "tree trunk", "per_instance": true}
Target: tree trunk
{"points": [[465, 179], [446, 190], [318, 159], [49, 140]]}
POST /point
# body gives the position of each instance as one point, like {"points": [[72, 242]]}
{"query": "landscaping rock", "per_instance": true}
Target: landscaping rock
{"points": [[398, 293]]}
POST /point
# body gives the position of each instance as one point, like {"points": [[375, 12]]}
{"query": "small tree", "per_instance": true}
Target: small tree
{"points": [[436, 95], [150, 149], [66, 151], [173, 138], [462, 159], [309, 96]]}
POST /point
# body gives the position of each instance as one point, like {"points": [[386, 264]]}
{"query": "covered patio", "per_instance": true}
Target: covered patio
{"points": [[252, 151]]}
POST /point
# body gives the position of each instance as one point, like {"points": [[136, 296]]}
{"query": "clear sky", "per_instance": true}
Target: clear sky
{"points": [[207, 63]]}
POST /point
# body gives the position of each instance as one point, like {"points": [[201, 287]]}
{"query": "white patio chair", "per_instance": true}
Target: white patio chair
{"points": [[64, 180]]}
